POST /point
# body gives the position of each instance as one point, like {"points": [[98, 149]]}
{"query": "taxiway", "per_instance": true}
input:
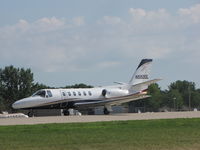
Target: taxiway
{"points": [[97, 118]]}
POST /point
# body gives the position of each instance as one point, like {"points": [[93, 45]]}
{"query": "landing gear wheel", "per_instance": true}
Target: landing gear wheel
{"points": [[65, 112], [30, 114], [106, 112]]}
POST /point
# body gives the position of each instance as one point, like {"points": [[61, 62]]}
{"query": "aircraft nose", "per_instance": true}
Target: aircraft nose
{"points": [[23, 103], [16, 105]]}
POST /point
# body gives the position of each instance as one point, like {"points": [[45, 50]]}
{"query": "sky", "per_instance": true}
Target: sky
{"points": [[97, 42]]}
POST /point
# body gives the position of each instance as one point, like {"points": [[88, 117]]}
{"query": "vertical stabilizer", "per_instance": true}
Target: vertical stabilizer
{"points": [[142, 72]]}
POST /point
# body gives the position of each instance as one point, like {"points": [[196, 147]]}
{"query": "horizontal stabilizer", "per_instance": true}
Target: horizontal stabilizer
{"points": [[140, 86], [147, 82]]}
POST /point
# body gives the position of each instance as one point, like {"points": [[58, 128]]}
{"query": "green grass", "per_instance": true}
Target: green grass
{"points": [[172, 134]]}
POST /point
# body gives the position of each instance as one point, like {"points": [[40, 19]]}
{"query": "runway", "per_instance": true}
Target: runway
{"points": [[97, 118]]}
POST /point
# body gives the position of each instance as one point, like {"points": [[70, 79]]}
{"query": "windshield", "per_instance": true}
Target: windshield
{"points": [[41, 93]]}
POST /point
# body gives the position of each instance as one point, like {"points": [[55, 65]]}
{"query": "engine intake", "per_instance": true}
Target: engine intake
{"points": [[104, 91], [113, 92]]}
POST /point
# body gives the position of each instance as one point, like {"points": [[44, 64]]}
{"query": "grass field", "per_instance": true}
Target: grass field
{"points": [[172, 134]]}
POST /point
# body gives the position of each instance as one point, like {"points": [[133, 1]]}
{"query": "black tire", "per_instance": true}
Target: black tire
{"points": [[106, 112], [30, 114], [65, 112]]}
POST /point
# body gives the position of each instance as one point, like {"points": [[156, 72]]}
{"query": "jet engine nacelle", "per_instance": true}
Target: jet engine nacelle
{"points": [[114, 92]]}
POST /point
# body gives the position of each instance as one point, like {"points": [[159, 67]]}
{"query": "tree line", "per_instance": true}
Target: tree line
{"points": [[17, 83], [180, 96]]}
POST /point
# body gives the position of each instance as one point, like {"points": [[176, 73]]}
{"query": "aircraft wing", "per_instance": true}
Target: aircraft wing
{"points": [[111, 101]]}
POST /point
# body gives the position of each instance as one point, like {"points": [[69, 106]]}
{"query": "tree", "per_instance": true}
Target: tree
{"points": [[195, 99], [81, 85], [190, 96], [154, 102], [25, 83], [15, 84], [184, 88], [9, 83], [2, 106], [175, 99]]}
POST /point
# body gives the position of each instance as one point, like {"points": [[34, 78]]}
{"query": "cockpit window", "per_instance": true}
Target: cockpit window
{"points": [[49, 93], [41, 93]]}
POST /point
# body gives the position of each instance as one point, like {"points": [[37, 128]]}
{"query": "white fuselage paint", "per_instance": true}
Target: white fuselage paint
{"points": [[62, 95]]}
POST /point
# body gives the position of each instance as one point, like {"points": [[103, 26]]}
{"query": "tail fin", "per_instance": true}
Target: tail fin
{"points": [[142, 72]]}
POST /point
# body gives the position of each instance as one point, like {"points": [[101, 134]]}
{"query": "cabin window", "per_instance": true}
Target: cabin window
{"points": [[63, 93], [90, 93], [84, 93], [49, 93], [74, 93], [79, 93], [69, 93]]}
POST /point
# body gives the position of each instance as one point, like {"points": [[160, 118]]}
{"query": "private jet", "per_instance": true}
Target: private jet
{"points": [[90, 98]]}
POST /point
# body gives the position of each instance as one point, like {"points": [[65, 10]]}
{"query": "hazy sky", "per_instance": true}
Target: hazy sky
{"points": [[100, 41]]}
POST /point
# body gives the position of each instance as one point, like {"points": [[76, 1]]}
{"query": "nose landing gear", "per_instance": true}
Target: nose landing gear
{"points": [[30, 113]]}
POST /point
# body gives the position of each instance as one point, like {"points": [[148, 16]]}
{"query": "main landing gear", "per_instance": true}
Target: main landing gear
{"points": [[106, 111], [66, 112]]}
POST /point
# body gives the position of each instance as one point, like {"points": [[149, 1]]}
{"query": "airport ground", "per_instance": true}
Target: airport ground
{"points": [[159, 134], [98, 118]]}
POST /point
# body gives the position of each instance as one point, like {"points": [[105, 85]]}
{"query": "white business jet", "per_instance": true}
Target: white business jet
{"points": [[88, 98]]}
